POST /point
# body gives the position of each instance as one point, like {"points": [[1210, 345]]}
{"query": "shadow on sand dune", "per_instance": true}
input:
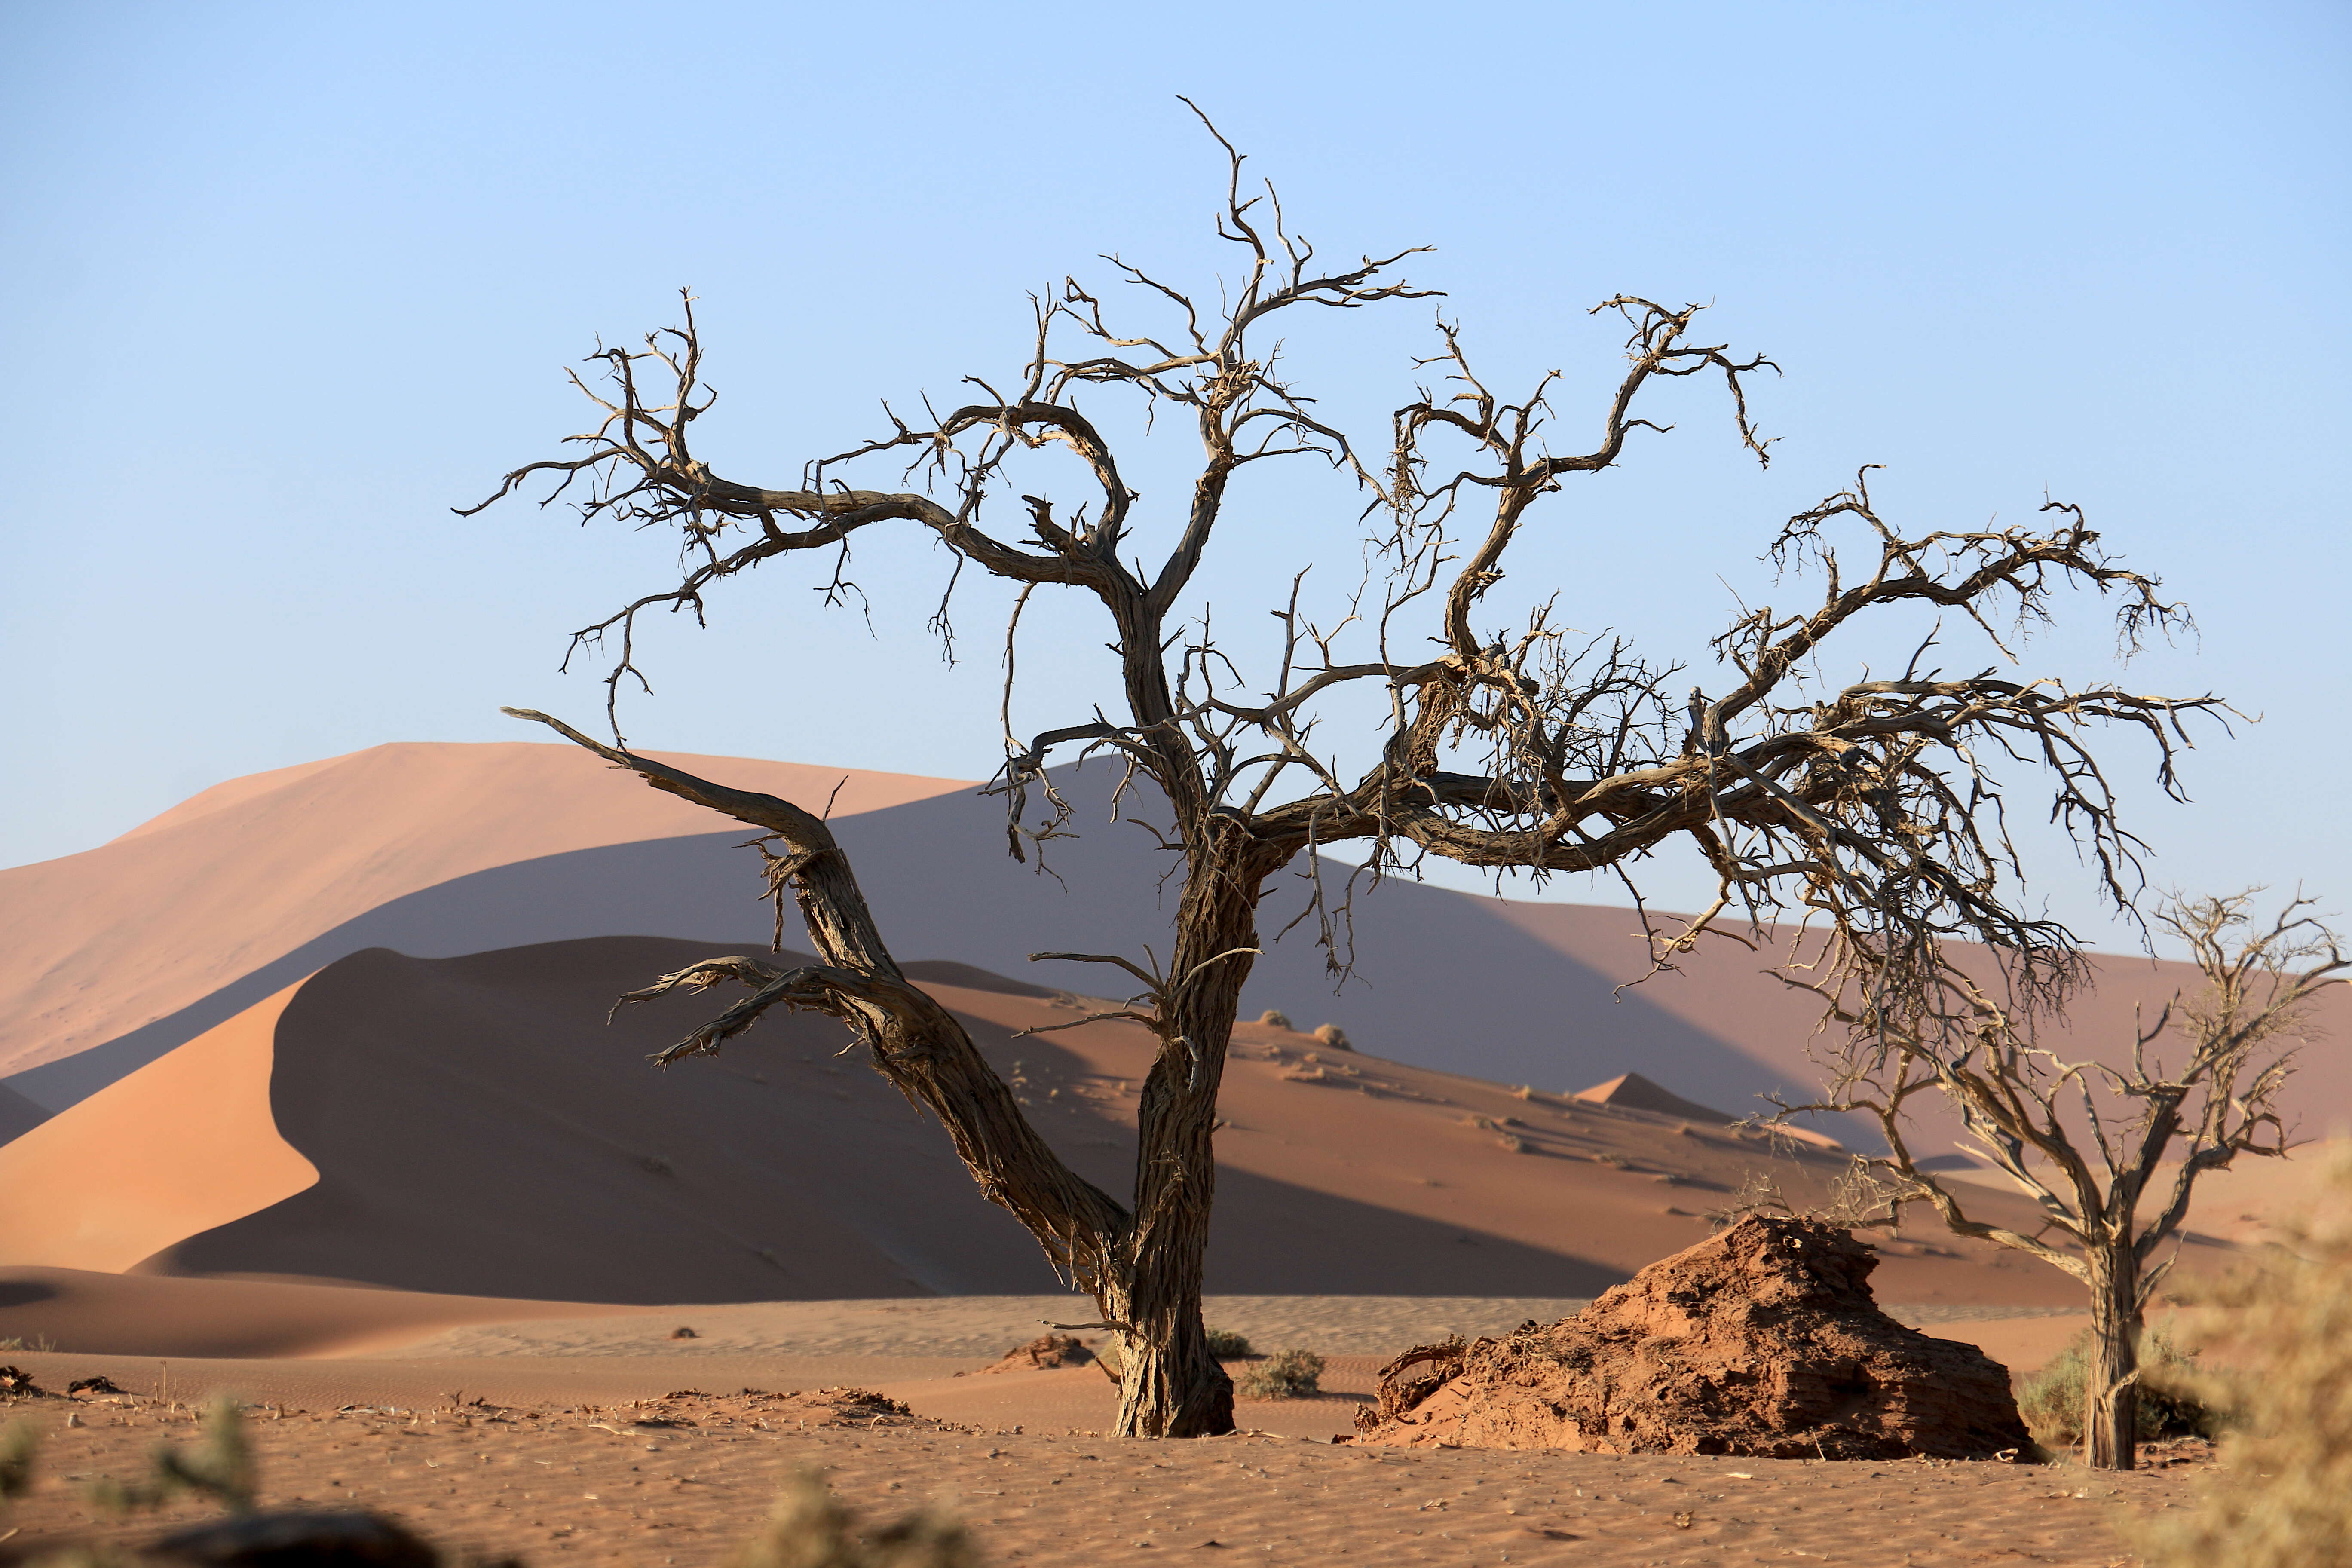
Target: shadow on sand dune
{"points": [[1443, 979], [478, 1131]]}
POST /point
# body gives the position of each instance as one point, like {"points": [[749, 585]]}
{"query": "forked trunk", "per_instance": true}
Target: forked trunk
{"points": [[2111, 1373]]}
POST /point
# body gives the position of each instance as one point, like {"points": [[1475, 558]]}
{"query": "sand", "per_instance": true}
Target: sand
{"points": [[478, 1130], [97, 945], [108, 960], [564, 1481], [146, 1315], [185, 1145]]}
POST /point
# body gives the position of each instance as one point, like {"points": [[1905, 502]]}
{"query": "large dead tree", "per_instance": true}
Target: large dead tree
{"points": [[2090, 1141], [1507, 743]]}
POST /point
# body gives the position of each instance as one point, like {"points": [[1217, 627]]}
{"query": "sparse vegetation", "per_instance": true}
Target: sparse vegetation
{"points": [[1286, 1375], [811, 1529], [2054, 1399], [2283, 1495], [20, 1446], [1274, 1020], [1227, 1345], [1333, 1035], [219, 1467], [2089, 1141]]}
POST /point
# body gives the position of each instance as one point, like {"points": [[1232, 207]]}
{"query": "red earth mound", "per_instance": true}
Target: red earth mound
{"points": [[1763, 1342], [1047, 1352]]}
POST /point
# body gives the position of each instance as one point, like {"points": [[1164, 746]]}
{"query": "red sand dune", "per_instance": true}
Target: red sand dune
{"points": [[18, 1115], [111, 959], [182, 1145], [476, 1130], [96, 945]]}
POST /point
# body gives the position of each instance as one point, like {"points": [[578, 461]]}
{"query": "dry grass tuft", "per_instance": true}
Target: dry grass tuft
{"points": [[20, 1446], [2053, 1399], [1286, 1375], [219, 1467], [1334, 1036], [1274, 1020], [2283, 1495], [810, 1528]]}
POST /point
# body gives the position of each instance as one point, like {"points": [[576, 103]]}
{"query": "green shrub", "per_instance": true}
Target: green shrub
{"points": [[2052, 1400], [1227, 1345], [1288, 1374]]}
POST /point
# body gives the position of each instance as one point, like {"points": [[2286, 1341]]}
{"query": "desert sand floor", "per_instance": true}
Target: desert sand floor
{"points": [[985, 1326], [603, 1439], [679, 1482]]}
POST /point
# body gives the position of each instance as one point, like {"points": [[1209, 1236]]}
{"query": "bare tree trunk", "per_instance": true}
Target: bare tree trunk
{"points": [[2111, 1377], [1172, 1386]]}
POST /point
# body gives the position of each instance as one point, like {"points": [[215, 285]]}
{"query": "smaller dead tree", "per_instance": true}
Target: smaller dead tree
{"points": [[2088, 1141]]}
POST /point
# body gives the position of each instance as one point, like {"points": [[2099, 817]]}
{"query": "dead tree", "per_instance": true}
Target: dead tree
{"points": [[1509, 742], [2086, 1140]]}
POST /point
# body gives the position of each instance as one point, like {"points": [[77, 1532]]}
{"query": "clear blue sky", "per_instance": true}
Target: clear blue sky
{"points": [[281, 283]]}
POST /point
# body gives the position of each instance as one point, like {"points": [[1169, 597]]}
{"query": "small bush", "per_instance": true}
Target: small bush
{"points": [[2282, 1496], [2052, 1400], [1274, 1020], [1227, 1345], [20, 1446], [1333, 1035], [219, 1467], [809, 1528], [1288, 1374]]}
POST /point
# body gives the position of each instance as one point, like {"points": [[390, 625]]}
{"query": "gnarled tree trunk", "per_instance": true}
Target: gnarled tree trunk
{"points": [[2111, 1372], [1173, 1387]]}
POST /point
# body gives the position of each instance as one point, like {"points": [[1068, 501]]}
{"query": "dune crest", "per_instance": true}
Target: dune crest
{"points": [[97, 944], [187, 1144]]}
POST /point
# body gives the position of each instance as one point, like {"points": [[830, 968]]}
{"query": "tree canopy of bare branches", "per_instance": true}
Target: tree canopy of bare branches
{"points": [[1509, 740], [2091, 1142]]}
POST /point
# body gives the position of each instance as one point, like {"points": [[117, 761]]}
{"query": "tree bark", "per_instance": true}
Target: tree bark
{"points": [[2111, 1373], [1172, 1387]]}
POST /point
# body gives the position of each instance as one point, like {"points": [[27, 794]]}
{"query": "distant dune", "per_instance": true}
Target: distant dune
{"points": [[184, 1144], [476, 1130], [217, 899], [111, 959]]}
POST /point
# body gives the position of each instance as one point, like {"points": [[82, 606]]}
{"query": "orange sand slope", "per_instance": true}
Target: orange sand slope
{"points": [[96, 945], [478, 1130], [438, 850], [179, 1147]]}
